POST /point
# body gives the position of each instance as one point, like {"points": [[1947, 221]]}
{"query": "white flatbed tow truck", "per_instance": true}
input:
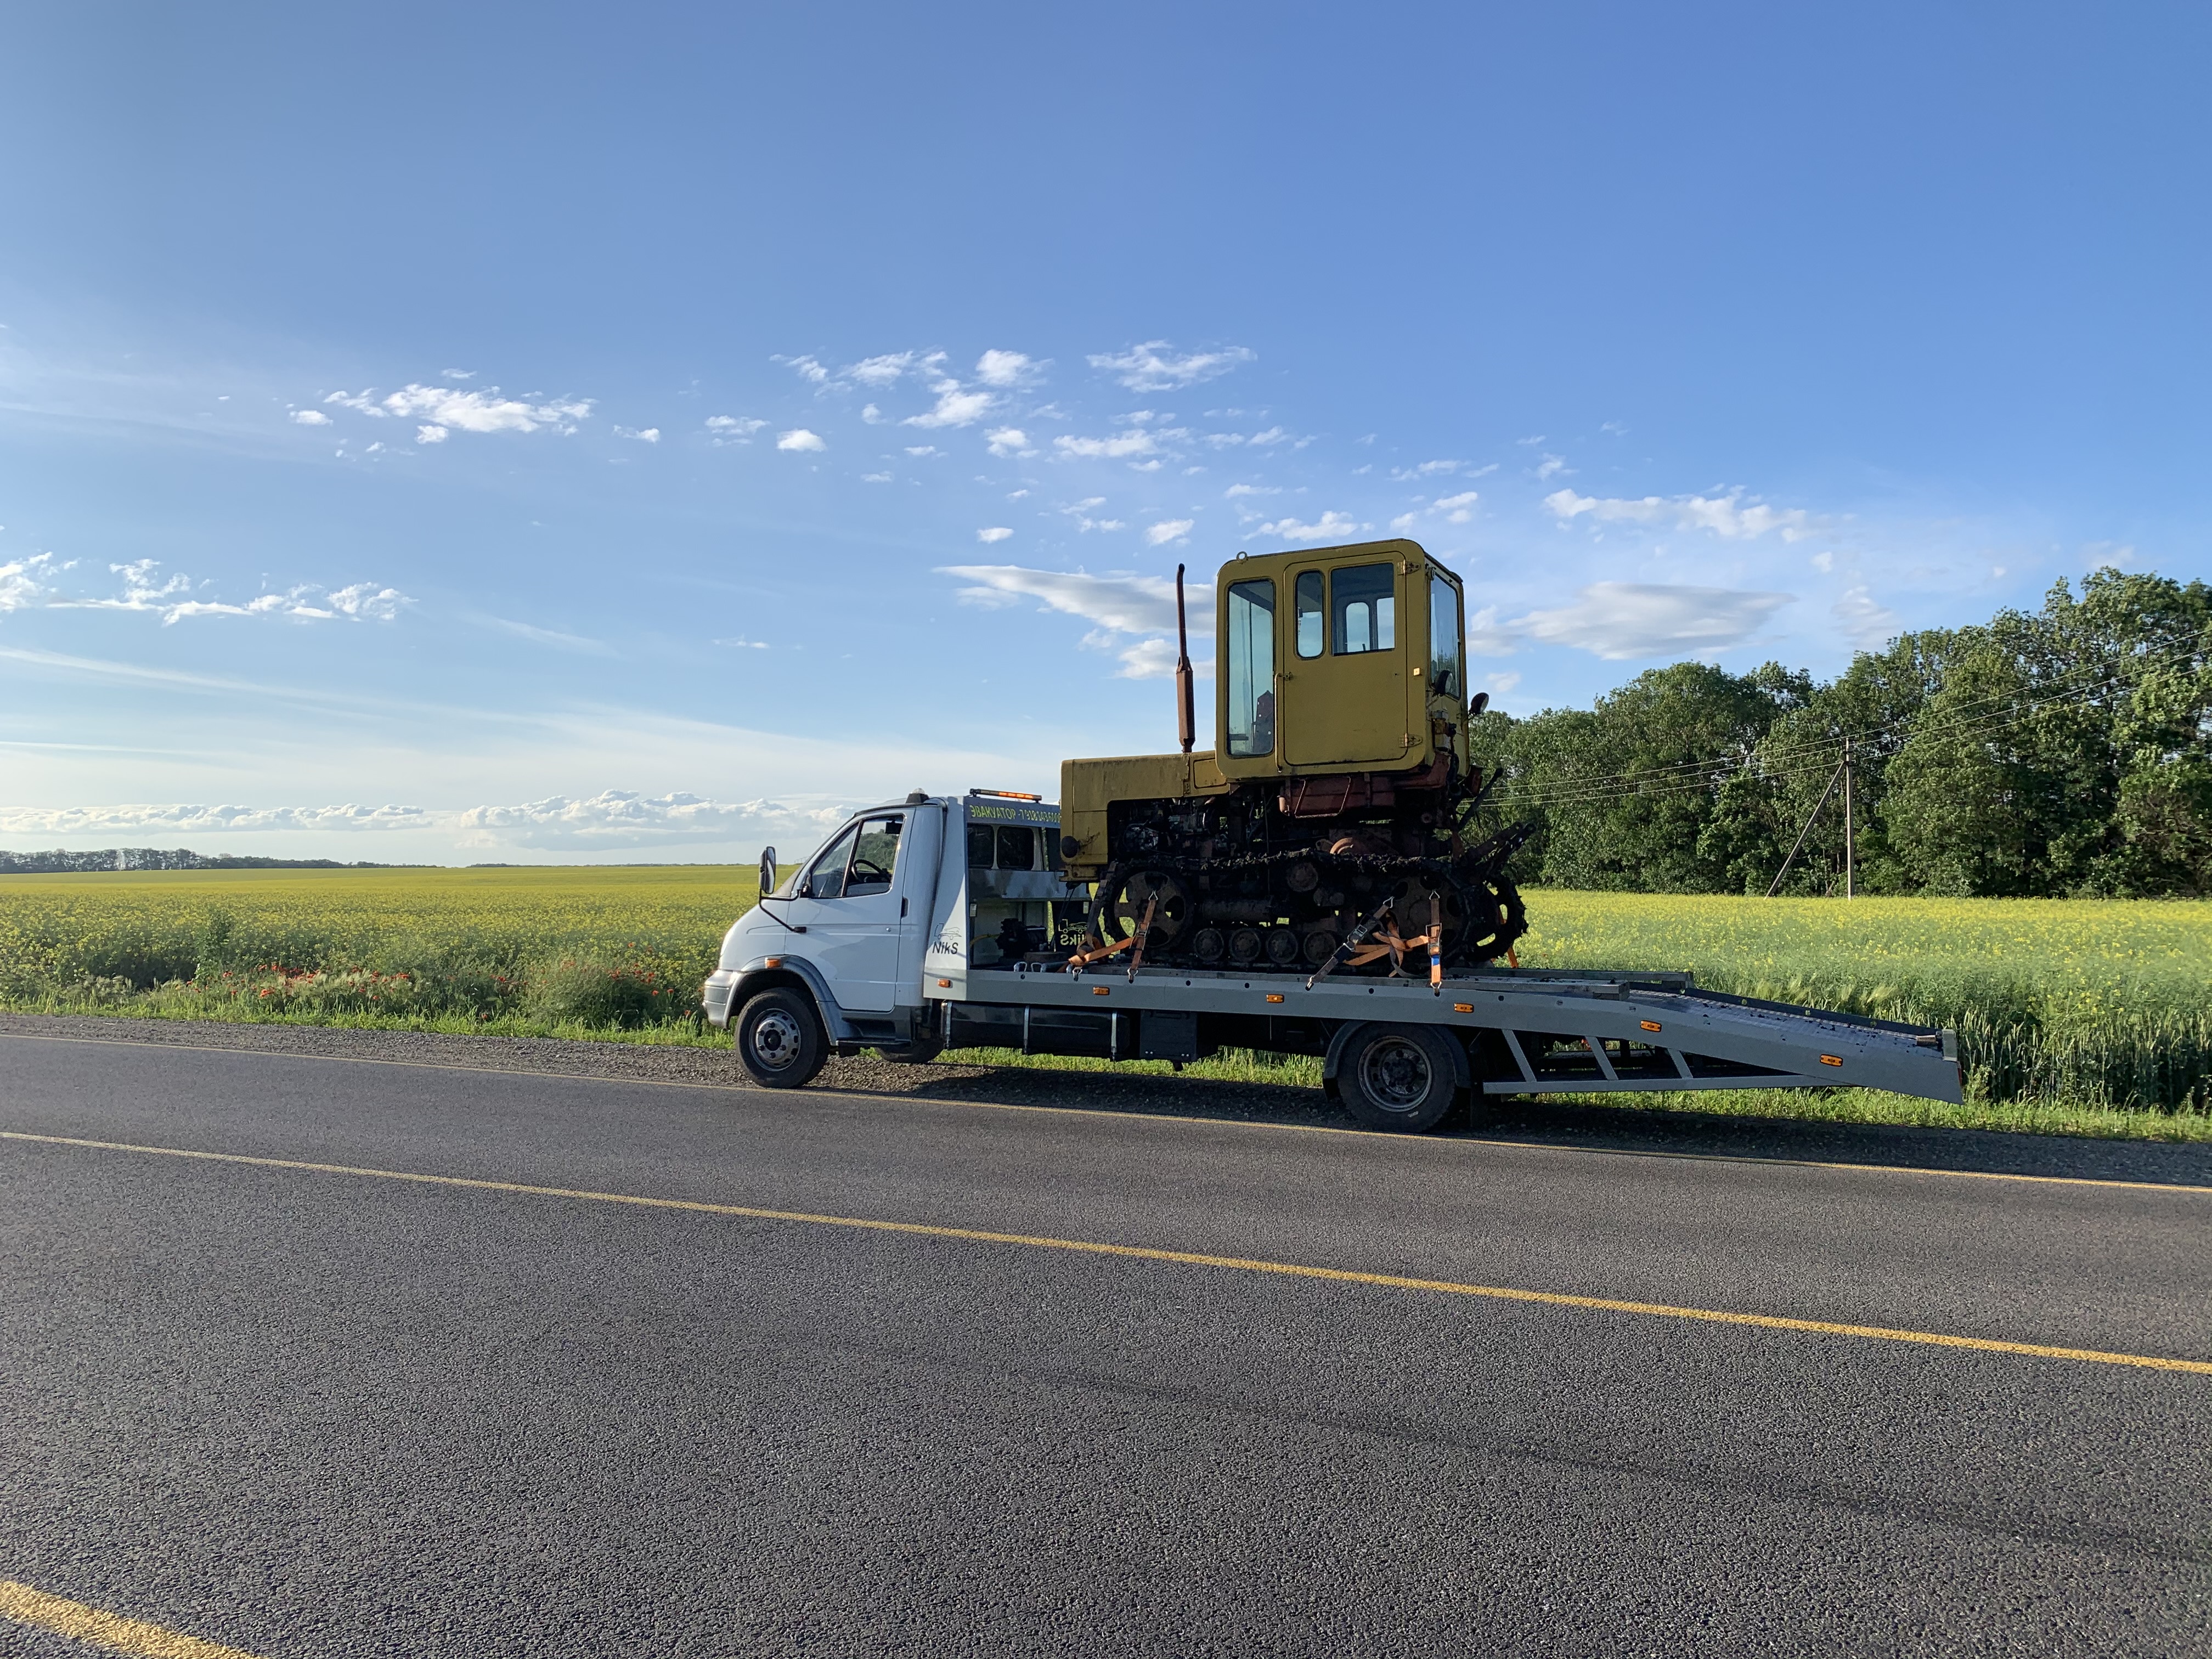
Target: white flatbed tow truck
{"points": [[884, 938]]}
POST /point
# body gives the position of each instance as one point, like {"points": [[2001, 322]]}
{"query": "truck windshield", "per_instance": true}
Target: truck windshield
{"points": [[1250, 685], [1447, 660]]}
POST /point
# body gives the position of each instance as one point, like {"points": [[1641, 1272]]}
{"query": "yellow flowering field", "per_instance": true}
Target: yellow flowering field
{"points": [[2091, 1005]]}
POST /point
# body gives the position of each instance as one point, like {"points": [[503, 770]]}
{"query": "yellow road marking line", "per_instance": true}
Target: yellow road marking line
{"points": [[41, 1611], [885, 1099], [1143, 1253]]}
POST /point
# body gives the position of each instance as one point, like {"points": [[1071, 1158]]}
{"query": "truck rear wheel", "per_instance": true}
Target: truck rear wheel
{"points": [[1398, 1077], [779, 1039]]}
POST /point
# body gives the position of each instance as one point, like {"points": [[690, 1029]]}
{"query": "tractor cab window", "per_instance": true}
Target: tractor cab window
{"points": [[1364, 608], [1310, 611], [1447, 650], [1251, 682]]}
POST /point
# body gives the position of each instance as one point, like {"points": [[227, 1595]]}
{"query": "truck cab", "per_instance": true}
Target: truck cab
{"points": [[842, 930]]}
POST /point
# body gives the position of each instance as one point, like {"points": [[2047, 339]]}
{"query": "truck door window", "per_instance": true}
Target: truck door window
{"points": [[979, 847], [875, 856], [1366, 609], [1251, 682], [1447, 658], [1309, 608], [1017, 847], [825, 876]]}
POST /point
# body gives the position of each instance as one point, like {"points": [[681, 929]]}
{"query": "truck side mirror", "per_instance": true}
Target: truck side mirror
{"points": [[768, 871], [1474, 708]]}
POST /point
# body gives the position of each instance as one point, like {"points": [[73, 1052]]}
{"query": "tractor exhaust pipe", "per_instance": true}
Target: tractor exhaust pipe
{"points": [[1185, 708]]}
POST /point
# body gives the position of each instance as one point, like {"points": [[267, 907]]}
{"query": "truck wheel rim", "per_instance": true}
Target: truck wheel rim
{"points": [[1395, 1074], [774, 1040]]}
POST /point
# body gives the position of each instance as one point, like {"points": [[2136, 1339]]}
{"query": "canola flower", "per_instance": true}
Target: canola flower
{"points": [[2094, 1003]]}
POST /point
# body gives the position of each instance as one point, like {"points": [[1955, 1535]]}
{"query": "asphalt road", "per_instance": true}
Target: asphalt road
{"points": [[303, 1413]]}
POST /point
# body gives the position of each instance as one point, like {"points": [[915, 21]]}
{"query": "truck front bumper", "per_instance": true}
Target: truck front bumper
{"points": [[721, 985]]}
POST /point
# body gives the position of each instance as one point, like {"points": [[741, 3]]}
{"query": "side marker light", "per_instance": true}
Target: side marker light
{"points": [[945, 984], [1648, 1025], [771, 961], [1831, 1060], [1462, 1007], [1100, 991], [1274, 996]]}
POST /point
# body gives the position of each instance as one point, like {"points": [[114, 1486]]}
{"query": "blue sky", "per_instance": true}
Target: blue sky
{"points": [[545, 433]]}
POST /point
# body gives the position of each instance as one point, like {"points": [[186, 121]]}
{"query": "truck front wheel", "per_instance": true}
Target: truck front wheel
{"points": [[779, 1039], [1398, 1077]]}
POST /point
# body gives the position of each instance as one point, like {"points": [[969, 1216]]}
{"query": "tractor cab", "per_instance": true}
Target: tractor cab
{"points": [[1338, 660]]}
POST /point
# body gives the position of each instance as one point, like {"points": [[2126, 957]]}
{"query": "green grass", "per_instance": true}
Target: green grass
{"points": [[2078, 1018]]}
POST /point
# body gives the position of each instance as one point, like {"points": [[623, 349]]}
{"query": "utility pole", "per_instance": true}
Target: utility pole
{"points": [[1849, 850]]}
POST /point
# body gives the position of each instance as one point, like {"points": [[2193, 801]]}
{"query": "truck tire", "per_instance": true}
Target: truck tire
{"points": [[1403, 1078], [778, 1038]]}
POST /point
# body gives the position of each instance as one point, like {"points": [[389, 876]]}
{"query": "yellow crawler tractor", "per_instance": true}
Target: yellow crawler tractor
{"points": [[1325, 828]]}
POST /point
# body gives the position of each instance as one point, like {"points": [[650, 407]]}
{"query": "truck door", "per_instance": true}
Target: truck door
{"points": [[1344, 684], [849, 904]]}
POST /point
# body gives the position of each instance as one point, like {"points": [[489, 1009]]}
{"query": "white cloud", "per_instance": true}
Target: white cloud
{"points": [[1823, 562], [1865, 623], [955, 406], [1485, 638], [1120, 447], [995, 534], [1006, 368], [1154, 366], [801, 440], [728, 429], [1168, 529], [1723, 516], [1501, 685], [1080, 512], [450, 409], [1133, 615], [201, 820], [1235, 491], [1404, 521], [1457, 509], [742, 643], [1330, 526], [875, 477], [805, 368], [431, 434], [646, 435], [21, 588], [1124, 604], [1620, 621], [310, 417], [1552, 467], [881, 371], [1008, 441], [171, 600]]}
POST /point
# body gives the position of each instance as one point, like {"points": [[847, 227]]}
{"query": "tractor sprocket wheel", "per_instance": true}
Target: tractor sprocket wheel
{"points": [[1124, 900]]}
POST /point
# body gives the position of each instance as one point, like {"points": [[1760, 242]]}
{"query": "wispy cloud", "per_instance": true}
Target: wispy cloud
{"points": [[1008, 442], [1620, 621], [1121, 445], [1132, 616], [1168, 530], [449, 409], [552, 636], [1330, 526], [1728, 515], [805, 368], [1155, 366], [729, 429], [171, 599], [956, 405], [799, 438], [1865, 623], [21, 584], [997, 532]]}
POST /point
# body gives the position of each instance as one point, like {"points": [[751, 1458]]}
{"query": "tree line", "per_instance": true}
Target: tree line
{"points": [[2060, 752]]}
